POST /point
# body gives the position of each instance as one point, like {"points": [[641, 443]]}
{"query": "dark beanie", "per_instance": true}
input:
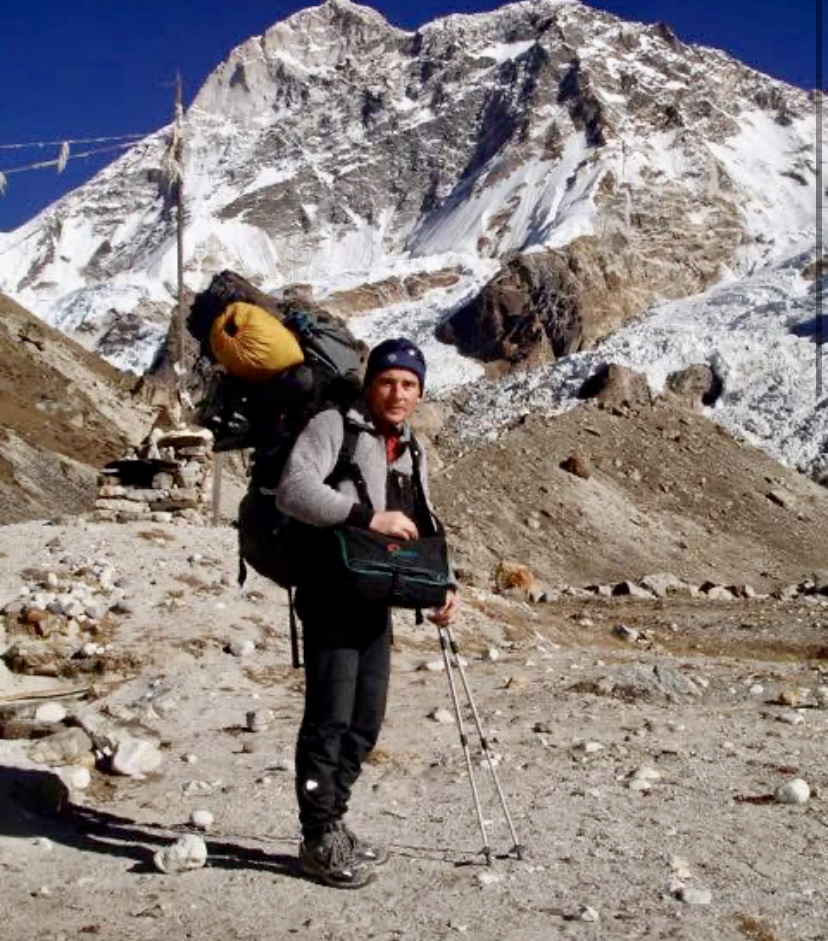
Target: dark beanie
{"points": [[397, 353]]}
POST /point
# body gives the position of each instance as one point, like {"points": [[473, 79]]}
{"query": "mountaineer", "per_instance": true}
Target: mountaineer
{"points": [[363, 472]]}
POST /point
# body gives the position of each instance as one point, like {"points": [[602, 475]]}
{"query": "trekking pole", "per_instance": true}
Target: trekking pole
{"points": [[446, 633], [444, 646]]}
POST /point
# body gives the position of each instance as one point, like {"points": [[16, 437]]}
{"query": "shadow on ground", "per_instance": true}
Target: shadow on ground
{"points": [[36, 803]]}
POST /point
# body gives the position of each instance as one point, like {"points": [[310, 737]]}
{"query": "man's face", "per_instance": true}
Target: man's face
{"points": [[392, 396]]}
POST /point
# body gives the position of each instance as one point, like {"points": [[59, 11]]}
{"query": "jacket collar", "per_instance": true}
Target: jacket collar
{"points": [[359, 416]]}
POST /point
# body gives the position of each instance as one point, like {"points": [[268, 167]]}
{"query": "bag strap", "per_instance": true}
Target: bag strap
{"points": [[346, 466], [424, 512]]}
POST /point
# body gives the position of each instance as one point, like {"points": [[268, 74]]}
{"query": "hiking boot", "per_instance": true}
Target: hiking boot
{"points": [[330, 859], [364, 851]]}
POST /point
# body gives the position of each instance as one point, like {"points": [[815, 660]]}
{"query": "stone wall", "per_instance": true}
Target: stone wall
{"points": [[168, 477]]}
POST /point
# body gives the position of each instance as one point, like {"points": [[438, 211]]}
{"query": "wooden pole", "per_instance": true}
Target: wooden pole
{"points": [[179, 158]]}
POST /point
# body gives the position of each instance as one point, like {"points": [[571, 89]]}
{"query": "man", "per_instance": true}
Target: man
{"points": [[347, 644]]}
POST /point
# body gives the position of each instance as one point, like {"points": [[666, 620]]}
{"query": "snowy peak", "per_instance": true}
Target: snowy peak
{"points": [[337, 150]]}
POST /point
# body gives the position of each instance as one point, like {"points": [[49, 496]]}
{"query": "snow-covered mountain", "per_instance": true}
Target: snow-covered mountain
{"points": [[524, 181]]}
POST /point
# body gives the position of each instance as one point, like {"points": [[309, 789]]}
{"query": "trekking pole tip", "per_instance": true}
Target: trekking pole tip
{"points": [[519, 851]]}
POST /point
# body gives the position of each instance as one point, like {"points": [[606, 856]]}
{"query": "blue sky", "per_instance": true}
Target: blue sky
{"points": [[95, 68]]}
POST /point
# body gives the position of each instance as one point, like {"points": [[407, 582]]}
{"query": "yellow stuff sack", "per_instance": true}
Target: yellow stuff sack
{"points": [[251, 343]]}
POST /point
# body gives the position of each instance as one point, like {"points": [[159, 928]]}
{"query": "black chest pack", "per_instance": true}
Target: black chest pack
{"points": [[349, 562]]}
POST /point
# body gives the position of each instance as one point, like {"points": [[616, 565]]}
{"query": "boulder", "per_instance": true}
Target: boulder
{"points": [[616, 386], [695, 386]]}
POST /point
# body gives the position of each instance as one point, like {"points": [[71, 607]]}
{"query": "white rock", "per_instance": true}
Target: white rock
{"points": [[50, 712], [622, 631], [757, 689], [190, 759], [592, 748], [136, 757], [43, 842], [441, 715], [52, 580], [75, 777], [791, 717], [202, 819], [242, 648], [190, 852], [691, 896], [642, 779], [492, 654], [587, 913], [487, 878], [796, 791], [821, 693], [433, 666]]}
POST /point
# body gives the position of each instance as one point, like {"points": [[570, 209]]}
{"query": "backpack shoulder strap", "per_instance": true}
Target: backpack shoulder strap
{"points": [[424, 511], [346, 467]]}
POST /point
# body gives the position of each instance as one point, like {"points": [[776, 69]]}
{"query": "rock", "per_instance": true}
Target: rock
{"points": [[791, 717], [587, 913], [643, 778], [492, 655], [441, 715], [242, 648], [616, 386], [62, 748], [202, 819], [695, 386], [34, 658], [664, 584], [75, 777], [631, 590], [577, 465], [795, 791], [513, 575], [622, 631], [136, 757], [691, 896], [720, 593], [51, 713], [433, 666], [488, 878], [189, 852], [640, 681]]}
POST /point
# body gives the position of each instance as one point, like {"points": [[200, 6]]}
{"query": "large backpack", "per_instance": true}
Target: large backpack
{"points": [[267, 412]]}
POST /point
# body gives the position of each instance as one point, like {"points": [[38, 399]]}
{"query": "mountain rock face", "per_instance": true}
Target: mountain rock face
{"points": [[570, 167]]}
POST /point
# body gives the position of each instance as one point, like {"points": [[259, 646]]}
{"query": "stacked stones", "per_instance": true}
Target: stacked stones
{"points": [[167, 478]]}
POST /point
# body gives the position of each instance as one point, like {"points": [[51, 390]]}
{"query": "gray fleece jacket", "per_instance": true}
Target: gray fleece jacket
{"points": [[302, 492]]}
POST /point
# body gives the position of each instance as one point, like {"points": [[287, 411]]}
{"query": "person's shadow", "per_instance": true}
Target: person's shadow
{"points": [[35, 803]]}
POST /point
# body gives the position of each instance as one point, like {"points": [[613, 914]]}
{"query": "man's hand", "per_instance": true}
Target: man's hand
{"points": [[394, 523], [447, 613]]}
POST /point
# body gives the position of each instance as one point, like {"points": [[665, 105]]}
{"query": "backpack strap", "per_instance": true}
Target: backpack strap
{"points": [[424, 512], [346, 467]]}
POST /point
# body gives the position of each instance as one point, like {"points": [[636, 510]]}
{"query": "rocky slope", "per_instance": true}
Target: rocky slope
{"points": [[64, 412]]}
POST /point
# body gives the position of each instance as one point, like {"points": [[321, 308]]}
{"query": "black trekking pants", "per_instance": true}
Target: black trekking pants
{"points": [[347, 653]]}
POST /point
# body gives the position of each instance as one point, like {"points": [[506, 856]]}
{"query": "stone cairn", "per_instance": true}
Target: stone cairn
{"points": [[168, 477]]}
